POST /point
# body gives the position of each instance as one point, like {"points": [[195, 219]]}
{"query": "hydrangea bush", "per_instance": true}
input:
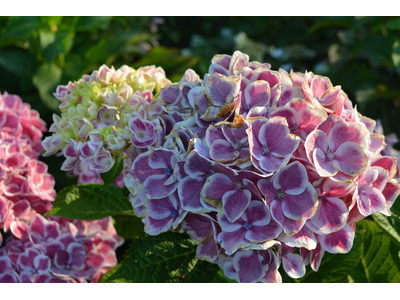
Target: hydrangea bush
{"points": [[263, 171], [42, 249]]}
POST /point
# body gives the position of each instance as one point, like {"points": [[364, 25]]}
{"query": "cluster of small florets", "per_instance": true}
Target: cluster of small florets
{"points": [[261, 168], [42, 249], [105, 113]]}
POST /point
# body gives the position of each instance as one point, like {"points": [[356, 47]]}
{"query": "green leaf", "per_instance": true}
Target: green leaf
{"points": [[18, 28], [129, 226], [62, 44], [396, 55], [168, 257], [89, 202], [391, 224], [373, 258], [378, 49], [109, 273], [46, 79], [221, 278], [21, 64], [328, 22], [393, 24], [90, 23], [113, 174]]}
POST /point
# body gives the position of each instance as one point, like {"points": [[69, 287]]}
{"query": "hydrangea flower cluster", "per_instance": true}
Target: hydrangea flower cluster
{"points": [[261, 168], [42, 249], [105, 113]]}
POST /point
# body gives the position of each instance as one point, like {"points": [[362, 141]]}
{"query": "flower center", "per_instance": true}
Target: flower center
{"points": [[141, 134], [236, 145], [246, 107], [168, 171], [295, 128], [247, 226], [240, 185], [174, 214], [323, 197], [265, 150], [329, 155], [209, 174], [280, 195]]}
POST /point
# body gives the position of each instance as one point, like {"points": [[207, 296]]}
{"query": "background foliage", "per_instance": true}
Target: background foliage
{"points": [[362, 54]]}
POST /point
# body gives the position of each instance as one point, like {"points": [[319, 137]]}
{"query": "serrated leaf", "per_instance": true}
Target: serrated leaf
{"points": [[89, 202], [110, 176], [373, 258], [46, 78], [168, 257]]}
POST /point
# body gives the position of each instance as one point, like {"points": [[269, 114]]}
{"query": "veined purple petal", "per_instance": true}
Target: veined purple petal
{"points": [[155, 227], [155, 187], [232, 241], [249, 267], [289, 226], [292, 179], [263, 233], [189, 191], [235, 203], [301, 206]]}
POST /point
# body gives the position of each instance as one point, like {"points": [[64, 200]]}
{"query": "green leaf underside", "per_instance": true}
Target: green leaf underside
{"points": [[110, 176], [168, 257], [372, 259], [89, 202]]}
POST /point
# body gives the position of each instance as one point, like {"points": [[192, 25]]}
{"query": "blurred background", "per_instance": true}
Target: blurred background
{"points": [[362, 54]]}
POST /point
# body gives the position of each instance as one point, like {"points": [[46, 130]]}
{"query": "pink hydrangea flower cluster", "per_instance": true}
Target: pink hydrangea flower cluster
{"points": [[60, 250], [258, 163], [105, 113], [42, 249]]}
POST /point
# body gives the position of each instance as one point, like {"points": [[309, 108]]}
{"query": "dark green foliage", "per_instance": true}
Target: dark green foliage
{"points": [[89, 202], [373, 258], [168, 257]]}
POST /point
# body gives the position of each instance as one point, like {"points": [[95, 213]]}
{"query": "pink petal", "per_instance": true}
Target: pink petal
{"points": [[346, 132], [293, 265], [331, 215], [351, 158], [338, 242]]}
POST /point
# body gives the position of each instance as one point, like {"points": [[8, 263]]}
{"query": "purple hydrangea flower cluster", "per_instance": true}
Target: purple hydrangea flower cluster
{"points": [[261, 168], [42, 249]]}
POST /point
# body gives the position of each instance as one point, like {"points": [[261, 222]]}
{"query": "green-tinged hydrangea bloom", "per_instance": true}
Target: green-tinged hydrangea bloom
{"points": [[104, 113]]}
